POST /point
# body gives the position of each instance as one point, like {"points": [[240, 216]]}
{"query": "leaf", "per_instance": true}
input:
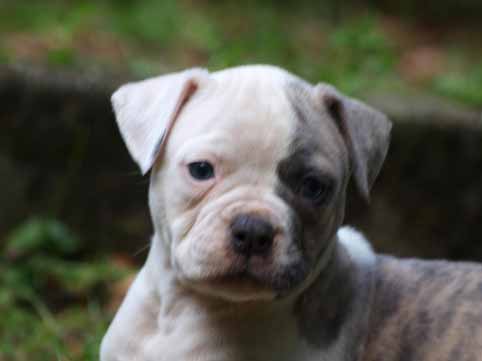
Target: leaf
{"points": [[41, 234]]}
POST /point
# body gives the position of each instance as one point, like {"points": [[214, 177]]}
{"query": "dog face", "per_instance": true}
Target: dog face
{"points": [[249, 171]]}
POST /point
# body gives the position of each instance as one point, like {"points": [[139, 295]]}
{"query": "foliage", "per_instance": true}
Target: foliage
{"points": [[332, 41], [52, 301], [464, 86]]}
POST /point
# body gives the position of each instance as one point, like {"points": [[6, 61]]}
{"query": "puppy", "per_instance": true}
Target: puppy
{"points": [[249, 169]]}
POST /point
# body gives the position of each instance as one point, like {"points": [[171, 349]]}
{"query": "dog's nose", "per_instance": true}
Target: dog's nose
{"points": [[251, 235]]}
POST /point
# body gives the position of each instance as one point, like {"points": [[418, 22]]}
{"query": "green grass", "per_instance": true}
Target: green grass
{"points": [[38, 334], [53, 299]]}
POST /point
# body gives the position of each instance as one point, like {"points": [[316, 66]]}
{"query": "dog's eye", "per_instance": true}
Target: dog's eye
{"points": [[314, 189], [201, 170]]}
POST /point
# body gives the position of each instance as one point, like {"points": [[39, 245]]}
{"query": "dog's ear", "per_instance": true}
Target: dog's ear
{"points": [[146, 110], [366, 132]]}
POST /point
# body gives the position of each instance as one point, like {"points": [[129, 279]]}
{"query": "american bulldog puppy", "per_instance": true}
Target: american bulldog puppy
{"points": [[248, 262]]}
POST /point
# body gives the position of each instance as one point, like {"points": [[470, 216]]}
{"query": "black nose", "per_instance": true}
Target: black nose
{"points": [[251, 235]]}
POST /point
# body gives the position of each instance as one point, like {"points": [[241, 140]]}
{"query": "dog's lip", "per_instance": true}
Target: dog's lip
{"points": [[235, 286], [239, 279], [234, 277]]}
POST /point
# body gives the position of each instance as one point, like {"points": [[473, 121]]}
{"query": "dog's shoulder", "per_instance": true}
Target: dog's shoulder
{"points": [[134, 322]]}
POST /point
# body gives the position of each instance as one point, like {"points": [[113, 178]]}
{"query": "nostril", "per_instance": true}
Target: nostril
{"points": [[241, 243], [262, 244], [239, 234]]}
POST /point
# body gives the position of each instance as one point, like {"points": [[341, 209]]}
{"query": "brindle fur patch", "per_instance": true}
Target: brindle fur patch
{"points": [[426, 310]]}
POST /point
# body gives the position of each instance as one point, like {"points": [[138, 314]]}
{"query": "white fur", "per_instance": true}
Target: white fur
{"points": [[356, 244]]}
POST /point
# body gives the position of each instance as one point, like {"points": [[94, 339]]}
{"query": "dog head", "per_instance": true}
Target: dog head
{"points": [[249, 168]]}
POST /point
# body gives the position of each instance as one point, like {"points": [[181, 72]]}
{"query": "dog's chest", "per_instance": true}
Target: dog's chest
{"points": [[194, 336]]}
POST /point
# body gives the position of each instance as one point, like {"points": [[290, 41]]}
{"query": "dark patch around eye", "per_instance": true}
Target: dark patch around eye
{"points": [[295, 170], [316, 189]]}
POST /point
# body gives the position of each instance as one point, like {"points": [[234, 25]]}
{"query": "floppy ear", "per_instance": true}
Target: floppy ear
{"points": [[146, 111], [366, 132]]}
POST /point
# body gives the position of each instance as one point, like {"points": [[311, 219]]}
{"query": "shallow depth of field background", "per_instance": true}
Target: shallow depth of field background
{"points": [[73, 219]]}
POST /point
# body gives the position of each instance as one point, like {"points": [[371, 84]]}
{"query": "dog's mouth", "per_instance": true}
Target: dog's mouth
{"points": [[245, 283], [241, 279]]}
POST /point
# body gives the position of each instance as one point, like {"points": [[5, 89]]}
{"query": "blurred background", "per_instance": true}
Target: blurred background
{"points": [[74, 223]]}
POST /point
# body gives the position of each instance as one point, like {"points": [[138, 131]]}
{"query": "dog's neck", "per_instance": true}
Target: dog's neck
{"points": [[334, 313], [326, 321]]}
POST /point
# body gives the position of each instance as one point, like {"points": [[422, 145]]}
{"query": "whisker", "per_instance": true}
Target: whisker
{"points": [[142, 249]]}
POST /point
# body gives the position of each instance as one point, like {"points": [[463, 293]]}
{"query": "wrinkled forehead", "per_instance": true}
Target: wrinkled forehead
{"points": [[260, 114], [247, 110]]}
